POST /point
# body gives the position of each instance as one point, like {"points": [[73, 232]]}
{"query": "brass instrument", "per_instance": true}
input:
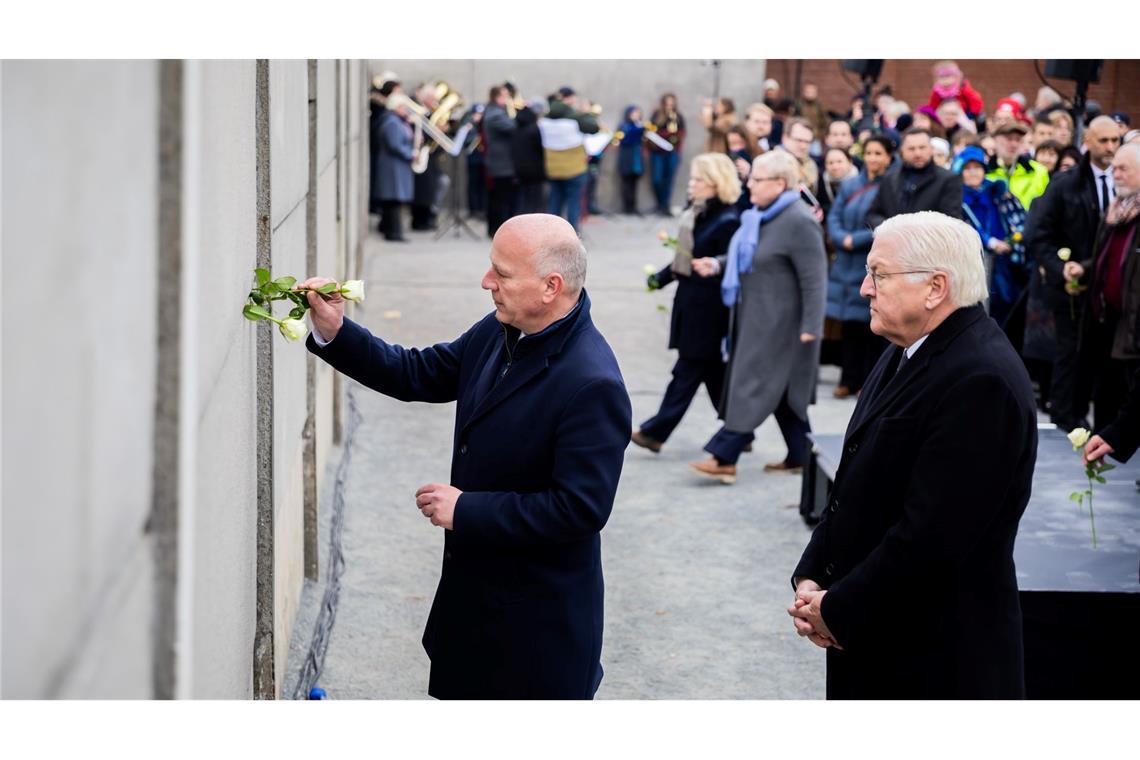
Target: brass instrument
{"points": [[423, 125]]}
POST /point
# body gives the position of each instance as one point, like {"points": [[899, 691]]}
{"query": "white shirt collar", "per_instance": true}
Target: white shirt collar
{"points": [[1098, 173], [914, 346]]}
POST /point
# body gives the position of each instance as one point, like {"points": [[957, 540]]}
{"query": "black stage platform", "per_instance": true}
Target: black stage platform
{"points": [[1081, 605]]}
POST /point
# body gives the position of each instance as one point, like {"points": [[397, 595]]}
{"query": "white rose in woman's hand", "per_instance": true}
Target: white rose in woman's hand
{"points": [[353, 290], [293, 329], [1079, 437]]}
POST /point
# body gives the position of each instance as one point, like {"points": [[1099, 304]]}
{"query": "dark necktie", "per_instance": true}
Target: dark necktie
{"points": [[902, 362], [1104, 199]]}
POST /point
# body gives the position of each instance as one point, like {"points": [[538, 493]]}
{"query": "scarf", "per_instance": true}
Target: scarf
{"points": [[1123, 209], [683, 258], [742, 247]]}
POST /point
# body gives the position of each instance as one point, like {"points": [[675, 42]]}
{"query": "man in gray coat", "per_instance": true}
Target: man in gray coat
{"points": [[776, 320], [498, 127]]}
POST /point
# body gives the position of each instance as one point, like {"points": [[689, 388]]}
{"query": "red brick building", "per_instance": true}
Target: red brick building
{"points": [[910, 80]]}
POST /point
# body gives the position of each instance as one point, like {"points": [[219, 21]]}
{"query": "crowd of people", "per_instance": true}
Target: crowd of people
{"points": [[1053, 201]]}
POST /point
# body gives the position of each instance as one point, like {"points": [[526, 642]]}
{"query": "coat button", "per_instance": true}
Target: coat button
{"points": [[852, 448], [463, 448], [829, 569], [834, 504], [447, 555]]}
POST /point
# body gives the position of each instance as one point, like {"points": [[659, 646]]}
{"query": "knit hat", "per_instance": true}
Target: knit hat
{"points": [[1013, 108], [968, 154]]}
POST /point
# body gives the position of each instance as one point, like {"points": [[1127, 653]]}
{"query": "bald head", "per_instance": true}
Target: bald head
{"points": [[1102, 138], [552, 244], [538, 269]]}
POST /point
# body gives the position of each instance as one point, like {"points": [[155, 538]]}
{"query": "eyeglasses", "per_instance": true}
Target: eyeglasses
{"points": [[878, 277]]}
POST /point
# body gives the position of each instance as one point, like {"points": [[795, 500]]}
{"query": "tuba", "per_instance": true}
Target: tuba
{"points": [[423, 126]]}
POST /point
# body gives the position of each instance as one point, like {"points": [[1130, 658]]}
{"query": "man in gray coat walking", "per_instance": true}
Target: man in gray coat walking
{"points": [[775, 281]]}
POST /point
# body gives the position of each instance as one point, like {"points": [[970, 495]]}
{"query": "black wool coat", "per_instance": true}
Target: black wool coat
{"points": [[935, 189], [700, 319], [1065, 216], [915, 547], [541, 427]]}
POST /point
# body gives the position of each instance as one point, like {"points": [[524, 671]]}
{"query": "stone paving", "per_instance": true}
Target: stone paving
{"points": [[696, 572]]}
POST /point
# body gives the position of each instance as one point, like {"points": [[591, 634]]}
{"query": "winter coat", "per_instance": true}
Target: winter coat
{"points": [[498, 129], [1126, 341], [1027, 181], [630, 163], [848, 216], [670, 130], [932, 189], [783, 296], [1066, 216], [936, 472], [700, 318], [562, 140], [540, 436], [393, 165], [526, 147]]}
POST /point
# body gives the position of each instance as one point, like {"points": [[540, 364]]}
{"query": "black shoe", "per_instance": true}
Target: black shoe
{"points": [[396, 239], [645, 442]]}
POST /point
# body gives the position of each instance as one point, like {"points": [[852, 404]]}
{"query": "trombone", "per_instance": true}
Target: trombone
{"points": [[422, 123]]}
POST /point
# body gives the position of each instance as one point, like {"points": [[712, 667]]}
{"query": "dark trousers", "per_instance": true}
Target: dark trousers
{"points": [[391, 223], [593, 172], [727, 446], [688, 374], [423, 217], [1111, 378], [629, 193], [1069, 386], [476, 188], [663, 167], [532, 197], [501, 200], [860, 349]]}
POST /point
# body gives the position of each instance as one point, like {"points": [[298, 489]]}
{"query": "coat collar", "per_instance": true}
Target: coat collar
{"points": [[880, 398], [537, 351]]}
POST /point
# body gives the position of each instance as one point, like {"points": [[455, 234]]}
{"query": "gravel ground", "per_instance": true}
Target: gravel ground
{"points": [[696, 572]]}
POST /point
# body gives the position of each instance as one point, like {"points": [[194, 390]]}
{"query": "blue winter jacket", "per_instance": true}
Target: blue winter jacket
{"points": [[847, 217]]}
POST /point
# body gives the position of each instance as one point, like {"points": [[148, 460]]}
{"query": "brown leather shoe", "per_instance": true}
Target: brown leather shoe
{"points": [[783, 467], [645, 442], [725, 473], [841, 392], [748, 448]]}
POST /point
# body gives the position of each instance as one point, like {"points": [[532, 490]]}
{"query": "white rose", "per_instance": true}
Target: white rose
{"points": [[1064, 253], [1079, 437], [353, 290], [293, 329], [649, 269]]}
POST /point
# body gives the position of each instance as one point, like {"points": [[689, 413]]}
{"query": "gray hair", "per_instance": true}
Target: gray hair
{"points": [[567, 258], [935, 241], [781, 165]]}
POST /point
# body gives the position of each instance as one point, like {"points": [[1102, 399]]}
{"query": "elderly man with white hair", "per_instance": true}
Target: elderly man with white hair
{"points": [[542, 421], [908, 580]]}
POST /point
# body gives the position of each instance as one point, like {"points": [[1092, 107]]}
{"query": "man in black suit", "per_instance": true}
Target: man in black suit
{"points": [[917, 184], [908, 580], [1066, 216]]}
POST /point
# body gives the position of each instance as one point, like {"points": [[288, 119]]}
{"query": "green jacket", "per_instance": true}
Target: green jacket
{"points": [[1027, 181]]}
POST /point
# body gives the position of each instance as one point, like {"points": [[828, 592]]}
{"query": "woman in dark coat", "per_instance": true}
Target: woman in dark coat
{"points": [[700, 319], [630, 135], [847, 227]]}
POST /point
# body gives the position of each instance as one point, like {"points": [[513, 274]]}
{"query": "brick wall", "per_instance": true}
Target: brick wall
{"points": [[1118, 90]]}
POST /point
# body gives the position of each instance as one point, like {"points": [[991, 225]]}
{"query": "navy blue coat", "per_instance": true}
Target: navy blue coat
{"points": [[915, 547], [848, 216], [700, 318], [540, 436]]}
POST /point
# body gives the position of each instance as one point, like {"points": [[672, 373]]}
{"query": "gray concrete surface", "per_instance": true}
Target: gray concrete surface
{"points": [[696, 572]]}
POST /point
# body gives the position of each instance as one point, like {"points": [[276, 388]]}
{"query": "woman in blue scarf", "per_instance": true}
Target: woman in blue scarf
{"points": [[775, 283]]}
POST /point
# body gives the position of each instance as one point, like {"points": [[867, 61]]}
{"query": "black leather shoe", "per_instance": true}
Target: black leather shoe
{"points": [[645, 442]]}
